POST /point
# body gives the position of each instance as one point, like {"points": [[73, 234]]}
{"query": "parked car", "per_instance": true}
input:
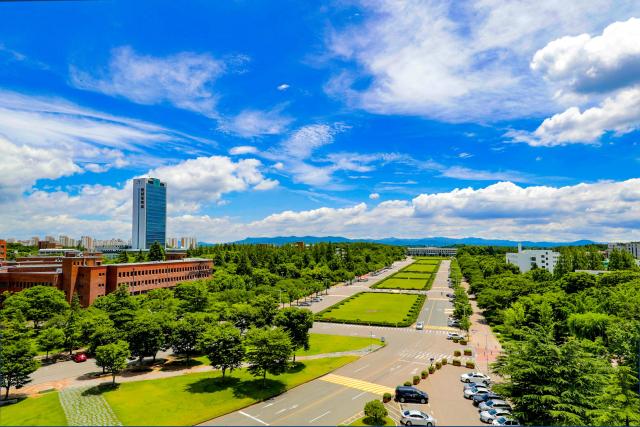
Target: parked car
{"points": [[79, 357], [493, 404], [417, 418], [475, 377], [454, 335], [304, 304], [420, 326], [453, 323], [449, 295], [505, 421], [470, 392], [410, 394], [492, 414], [479, 398]]}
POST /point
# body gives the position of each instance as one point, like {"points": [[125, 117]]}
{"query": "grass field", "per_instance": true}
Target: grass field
{"points": [[411, 275], [44, 410], [364, 421], [325, 343], [370, 307], [194, 398], [398, 283], [420, 268]]}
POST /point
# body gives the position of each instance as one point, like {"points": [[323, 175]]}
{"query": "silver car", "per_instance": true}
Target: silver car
{"points": [[414, 417], [475, 377], [493, 404], [420, 326], [492, 414], [468, 393], [505, 421]]}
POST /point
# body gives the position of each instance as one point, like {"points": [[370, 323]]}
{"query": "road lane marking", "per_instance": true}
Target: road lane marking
{"points": [[360, 369], [253, 418], [319, 416], [357, 384], [358, 395], [286, 409]]}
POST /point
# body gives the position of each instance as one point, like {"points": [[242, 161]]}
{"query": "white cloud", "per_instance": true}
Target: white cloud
{"points": [[593, 64], [305, 140], [242, 149], [374, 196], [465, 155], [457, 61], [251, 123], [459, 172], [184, 79], [283, 86]]}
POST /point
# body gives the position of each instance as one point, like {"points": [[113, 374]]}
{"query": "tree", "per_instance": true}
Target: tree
{"points": [[119, 305], [50, 339], [16, 363], [140, 256], [268, 351], [296, 322], [40, 303], [122, 258], [621, 260], [223, 346], [156, 252], [376, 412], [194, 296], [187, 333], [266, 307], [145, 336], [112, 358], [102, 335], [243, 316], [620, 399]]}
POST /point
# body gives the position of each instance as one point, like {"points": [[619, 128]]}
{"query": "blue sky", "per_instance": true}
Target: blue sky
{"points": [[358, 118]]}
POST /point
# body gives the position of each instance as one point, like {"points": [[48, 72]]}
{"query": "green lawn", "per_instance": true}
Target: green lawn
{"points": [[394, 283], [44, 410], [325, 343], [194, 398], [370, 307], [365, 421], [411, 275], [420, 268]]}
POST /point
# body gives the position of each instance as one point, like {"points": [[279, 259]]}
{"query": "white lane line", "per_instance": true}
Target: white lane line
{"points": [[360, 369], [358, 395], [253, 418], [319, 416]]}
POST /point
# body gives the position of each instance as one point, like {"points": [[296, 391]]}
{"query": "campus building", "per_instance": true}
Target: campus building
{"points": [[432, 251], [632, 247], [85, 274], [149, 213], [527, 259], [3, 250]]}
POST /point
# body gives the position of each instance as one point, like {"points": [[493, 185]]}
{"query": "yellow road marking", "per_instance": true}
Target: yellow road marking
{"points": [[440, 328], [357, 384], [437, 299]]}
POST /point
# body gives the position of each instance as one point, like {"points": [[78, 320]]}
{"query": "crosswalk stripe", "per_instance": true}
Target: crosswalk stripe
{"points": [[357, 384]]}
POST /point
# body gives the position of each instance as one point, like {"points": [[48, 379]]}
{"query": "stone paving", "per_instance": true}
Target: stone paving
{"points": [[86, 409]]}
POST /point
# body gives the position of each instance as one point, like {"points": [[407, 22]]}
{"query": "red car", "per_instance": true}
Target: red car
{"points": [[79, 357]]}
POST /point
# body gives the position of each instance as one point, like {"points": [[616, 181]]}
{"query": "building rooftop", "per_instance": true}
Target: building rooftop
{"points": [[177, 261]]}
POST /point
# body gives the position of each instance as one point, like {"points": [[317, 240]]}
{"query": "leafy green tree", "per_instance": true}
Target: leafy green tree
{"points": [[223, 346], [621, 260], [194, 296], [243, 316], [156, 252], [589, 325], [376, 412], [268, 351], [145, 336], [620, 399], [103, 334], [16, 363], [122, 258], [120, 306], [42, 303], [296, 322], [140, 256], [575, 282], [187, 333], [112, 358], [266, 309], [50, 339]]}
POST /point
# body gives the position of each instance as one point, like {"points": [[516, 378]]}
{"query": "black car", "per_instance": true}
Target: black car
{"points": [[478, 398], [411, 394]]}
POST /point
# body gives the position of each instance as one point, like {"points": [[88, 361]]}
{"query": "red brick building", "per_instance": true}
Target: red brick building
{"points": [[3, 250], [86, 276]]}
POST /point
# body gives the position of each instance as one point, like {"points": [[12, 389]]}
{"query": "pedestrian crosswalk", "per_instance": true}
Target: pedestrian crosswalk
{"points": [[423, 355], [437, 330], [357, 384]]}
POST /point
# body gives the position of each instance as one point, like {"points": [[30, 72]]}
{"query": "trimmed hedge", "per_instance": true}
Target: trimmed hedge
{"points": [[407, 383], [416, 380], [424, 374], [457, 353], [470, 364], [467, 352], [432, 369], [456, 362], [438, 365], [444, 361]]}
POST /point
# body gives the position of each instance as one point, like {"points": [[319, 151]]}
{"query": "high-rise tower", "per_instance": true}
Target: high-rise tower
{"points": [[149, 213]]}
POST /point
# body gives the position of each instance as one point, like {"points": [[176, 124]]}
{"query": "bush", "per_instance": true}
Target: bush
{"points": [[444, 361], [467, 352], [432, 369], [470, 364], [416, 380], [386, 397], [455, 340], [438, 365], [407, 383], [424, 374], [463, 342], [457, 353], [376, 411], [456, 362]]}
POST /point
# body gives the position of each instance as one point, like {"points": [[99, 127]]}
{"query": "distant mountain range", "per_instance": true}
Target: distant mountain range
{"points": [[426, 241]]}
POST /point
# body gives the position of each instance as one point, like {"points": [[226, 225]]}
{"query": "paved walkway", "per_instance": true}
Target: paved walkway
{"points": [[86, 409]]}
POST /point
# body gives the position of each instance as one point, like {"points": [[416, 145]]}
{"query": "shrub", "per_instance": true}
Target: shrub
{"points": [[444, 361], [470, 364], [456, 362], [376, 411], [438, 365], [407, 383], [432, 369], [457, 353], [424, 374], [455, 340], [467, 352], [416, 380], [463, 342], [386, 397]]}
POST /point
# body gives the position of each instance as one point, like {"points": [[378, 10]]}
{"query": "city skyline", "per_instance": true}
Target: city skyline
{"points": [[284, 119]]}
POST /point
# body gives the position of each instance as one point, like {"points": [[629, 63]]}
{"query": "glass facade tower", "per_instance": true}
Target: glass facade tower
{"points": [[149, 213]]}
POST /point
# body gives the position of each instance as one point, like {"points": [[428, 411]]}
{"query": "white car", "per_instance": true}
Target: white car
{"points": [[505, 421], [468, 393], [420, 326], [416, 418], [475, 377], [492, 414], [454, 335], [493, 404]]}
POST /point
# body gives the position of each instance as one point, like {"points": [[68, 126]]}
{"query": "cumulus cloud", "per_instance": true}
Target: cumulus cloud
{"points": [[242, 149], [418, 58], [374, 196], [184, 79], [251, 123], [283, 86]]}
